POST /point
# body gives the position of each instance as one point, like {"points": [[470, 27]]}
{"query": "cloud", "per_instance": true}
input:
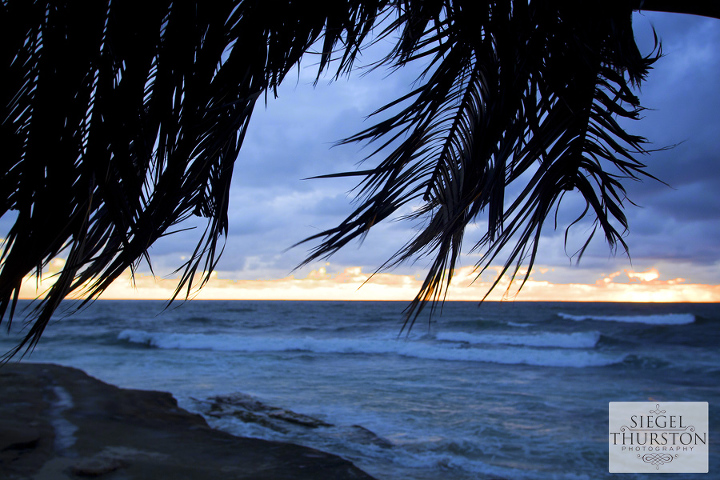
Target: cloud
{"points": [[648, 276], [353, 283]]}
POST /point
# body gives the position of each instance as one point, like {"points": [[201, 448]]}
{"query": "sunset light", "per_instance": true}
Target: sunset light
{"points": [[352, 284]]}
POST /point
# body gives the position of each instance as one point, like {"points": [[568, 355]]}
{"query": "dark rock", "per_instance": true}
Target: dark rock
{"points": [[97, 466], [248, 409], [297, 418], [59, 423], [363, 435]]}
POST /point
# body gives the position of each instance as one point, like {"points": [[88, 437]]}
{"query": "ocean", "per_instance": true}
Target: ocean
{"points": [[509, 390]]}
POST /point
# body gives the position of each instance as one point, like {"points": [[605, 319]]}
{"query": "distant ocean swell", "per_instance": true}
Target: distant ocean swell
{"points": [[667, 319], [546, 339], [526, 349]]}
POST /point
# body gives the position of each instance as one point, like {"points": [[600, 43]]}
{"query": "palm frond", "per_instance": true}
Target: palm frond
{"points": [[514, 89], [121, 120]]}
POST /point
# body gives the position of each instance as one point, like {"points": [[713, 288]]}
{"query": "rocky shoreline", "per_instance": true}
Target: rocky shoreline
{"points": [[59, 423]]}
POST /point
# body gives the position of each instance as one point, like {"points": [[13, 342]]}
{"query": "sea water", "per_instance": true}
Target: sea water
{"points": [[508, 390]]}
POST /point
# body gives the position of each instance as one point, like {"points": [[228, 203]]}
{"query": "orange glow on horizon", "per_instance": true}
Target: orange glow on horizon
{"points": [[353, 284]]}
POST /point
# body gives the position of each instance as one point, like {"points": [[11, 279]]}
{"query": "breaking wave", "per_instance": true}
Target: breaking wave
{"points": [[667, 319], [417, 349], [544, 339]]}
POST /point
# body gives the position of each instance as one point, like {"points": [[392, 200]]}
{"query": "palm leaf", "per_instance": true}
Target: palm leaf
{"points": [[513, 89], [120, 120], [123, 119]]}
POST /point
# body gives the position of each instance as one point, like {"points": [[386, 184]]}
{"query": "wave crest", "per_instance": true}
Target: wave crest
{"points": [[415, 349], [543, 339], [667, 319]]}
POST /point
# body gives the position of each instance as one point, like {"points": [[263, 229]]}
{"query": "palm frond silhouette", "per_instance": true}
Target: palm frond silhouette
{"points": [[536, 89], [120, 120]]}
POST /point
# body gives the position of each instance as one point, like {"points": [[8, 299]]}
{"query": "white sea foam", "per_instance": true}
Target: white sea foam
{"points": [[521, 325], [415, 349], [667, 319], [543, 339]]}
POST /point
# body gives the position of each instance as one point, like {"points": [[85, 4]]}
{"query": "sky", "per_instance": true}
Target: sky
{"points": [[674, 229]]}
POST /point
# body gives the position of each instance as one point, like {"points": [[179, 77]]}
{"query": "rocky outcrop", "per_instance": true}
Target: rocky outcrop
{"points": [[59, 423], [248, 409]]}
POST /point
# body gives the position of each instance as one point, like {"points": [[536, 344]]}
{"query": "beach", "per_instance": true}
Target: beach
{"points": [[58, 422]]}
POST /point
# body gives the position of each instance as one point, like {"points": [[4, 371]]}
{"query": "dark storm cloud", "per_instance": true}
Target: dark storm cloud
{"points": [[683, 101], [690, 202], [679, 221]]}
